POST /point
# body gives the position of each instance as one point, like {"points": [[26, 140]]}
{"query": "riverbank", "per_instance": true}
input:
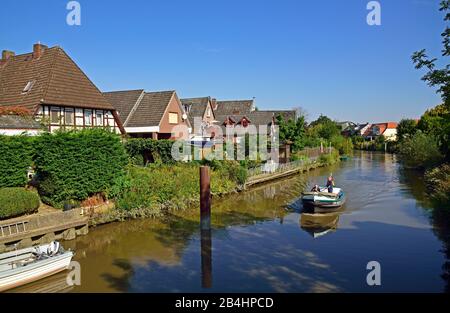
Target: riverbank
{"points": [[148, 192], [186, 195], [262, 242]]}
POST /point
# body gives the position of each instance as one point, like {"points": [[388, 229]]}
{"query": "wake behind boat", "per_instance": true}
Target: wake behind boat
{"points": [[324, 200], [24, 266]]}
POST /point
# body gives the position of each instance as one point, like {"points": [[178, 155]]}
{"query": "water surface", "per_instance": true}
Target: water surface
{"points": [[262, 242]]}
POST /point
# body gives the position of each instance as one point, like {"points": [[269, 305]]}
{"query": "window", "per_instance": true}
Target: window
{"points": [[99, 119], [54, 116], [173, 118], [88, 117], [107, 119], [28, 86], [68, 116]]}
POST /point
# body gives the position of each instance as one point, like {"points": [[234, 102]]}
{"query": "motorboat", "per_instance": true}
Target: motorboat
{"points": [[323, 200], [27, 265]]}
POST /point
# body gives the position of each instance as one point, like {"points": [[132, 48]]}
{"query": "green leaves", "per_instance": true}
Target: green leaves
{"points": [[17, 201], [15, 159], [76, 165], [143, 151], [420, 151], [437, 77]]}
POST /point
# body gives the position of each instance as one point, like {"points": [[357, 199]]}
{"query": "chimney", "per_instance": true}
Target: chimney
{"points": [[214, 104], [6, 54], [38, 49]]}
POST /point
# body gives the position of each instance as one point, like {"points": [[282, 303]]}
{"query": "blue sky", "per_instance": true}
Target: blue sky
{"points": [[320, 55]]}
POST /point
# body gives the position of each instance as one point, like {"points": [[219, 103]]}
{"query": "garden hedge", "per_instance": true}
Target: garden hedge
{"points": [[78, 164], [15, 159], [17, 201], [143, 151]]}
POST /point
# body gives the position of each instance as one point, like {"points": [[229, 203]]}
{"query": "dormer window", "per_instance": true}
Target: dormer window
{"points": [[28, 86]]}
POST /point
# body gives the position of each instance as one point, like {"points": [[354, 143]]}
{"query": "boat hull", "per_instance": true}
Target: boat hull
{"points": [[323, 203], [36, 271]]}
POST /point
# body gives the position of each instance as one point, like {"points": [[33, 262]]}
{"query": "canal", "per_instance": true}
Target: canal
{"points": [[262, 242]]}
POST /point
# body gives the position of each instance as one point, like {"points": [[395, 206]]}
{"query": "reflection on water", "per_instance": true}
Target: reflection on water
{"points": [[261, 240], [319, 224]]}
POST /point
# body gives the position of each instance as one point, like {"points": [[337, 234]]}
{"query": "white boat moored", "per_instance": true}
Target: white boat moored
{"points": [[27, 265]]}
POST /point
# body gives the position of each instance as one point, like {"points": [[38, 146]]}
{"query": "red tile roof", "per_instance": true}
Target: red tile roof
{"points": [[55, 77]]}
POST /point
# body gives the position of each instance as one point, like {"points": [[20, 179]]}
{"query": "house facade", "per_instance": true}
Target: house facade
{"points": [[12, 125], [387, 130], [49, 84], [155, 115], [201, 116]]}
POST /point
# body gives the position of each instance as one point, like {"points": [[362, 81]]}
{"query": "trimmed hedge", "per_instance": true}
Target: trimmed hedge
{"points": [[17, 201], [15, 158], [143, 151], [78, 164]]}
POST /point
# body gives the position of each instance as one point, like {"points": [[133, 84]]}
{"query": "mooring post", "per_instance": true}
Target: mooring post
{"points": [[206, 257], [205, 198], [205, 226]]}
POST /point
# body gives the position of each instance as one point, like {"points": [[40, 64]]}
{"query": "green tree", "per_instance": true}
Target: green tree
{"points": [[420, 151], [437, 121], [438, 78], [406, 128], [293, 131], [325, 128]]}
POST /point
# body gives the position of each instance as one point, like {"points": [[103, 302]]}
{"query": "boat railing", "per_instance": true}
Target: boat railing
{"points": [[13, 229]]}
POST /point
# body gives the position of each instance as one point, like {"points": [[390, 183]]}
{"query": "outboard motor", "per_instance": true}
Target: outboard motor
{"points": [[53, 248]]}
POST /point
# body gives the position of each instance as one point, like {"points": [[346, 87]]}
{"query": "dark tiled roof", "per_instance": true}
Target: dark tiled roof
{"points": [[256, 117], [151, 109], [18, 122], [57, 80], [265, 117], [234, 107], [123, 101], [197, 107]]}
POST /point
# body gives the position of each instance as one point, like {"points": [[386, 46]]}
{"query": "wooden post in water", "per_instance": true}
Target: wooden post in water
{"points": [[205, 198], [206, 257], [205, 226]]}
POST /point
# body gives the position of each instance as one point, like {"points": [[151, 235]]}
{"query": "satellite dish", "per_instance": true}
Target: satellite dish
{"points": [[184, 116]]}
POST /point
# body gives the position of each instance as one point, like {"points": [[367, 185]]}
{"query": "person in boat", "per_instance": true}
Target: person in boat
{"points": [[316, 188], [330, 183]]}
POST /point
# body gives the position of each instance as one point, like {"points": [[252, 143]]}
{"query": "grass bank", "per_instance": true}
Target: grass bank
{"points": [[155, 190]]}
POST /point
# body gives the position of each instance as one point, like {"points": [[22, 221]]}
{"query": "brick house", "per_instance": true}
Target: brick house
{"points": [[50, 85], [149, 114]]}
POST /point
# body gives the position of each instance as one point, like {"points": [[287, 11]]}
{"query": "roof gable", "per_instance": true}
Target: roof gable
{"points": [[150, 109], [57, 80], [124, 101], [234, 107], [197, 107]]}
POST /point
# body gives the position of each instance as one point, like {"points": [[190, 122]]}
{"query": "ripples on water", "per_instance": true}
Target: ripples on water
{"points": [[263, 241]]}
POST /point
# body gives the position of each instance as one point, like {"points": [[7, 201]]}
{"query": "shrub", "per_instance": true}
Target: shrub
{"points": [[329, 158], [342, 144], [15, 158], [78, 164], [419, 151], [142, 151], [157, 187], [17, 201], [438, 182]]}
